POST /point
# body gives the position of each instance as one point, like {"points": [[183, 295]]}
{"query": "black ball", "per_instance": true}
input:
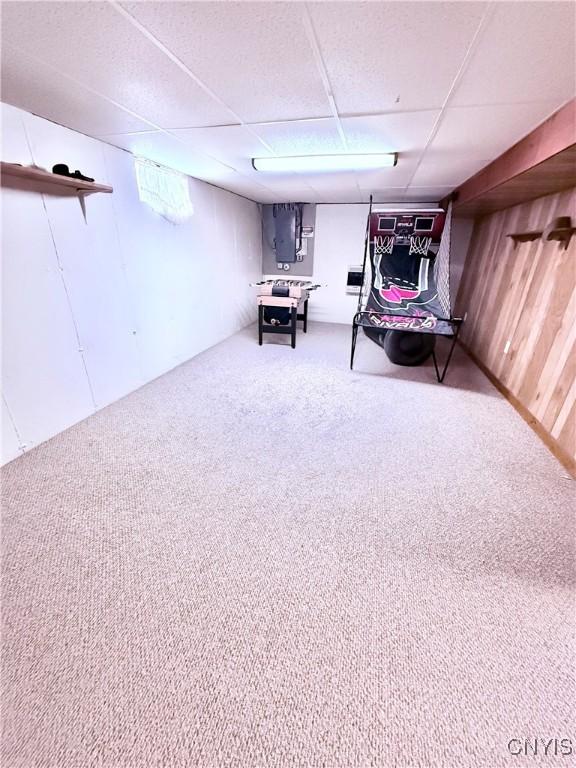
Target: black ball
{"points": [[408, 347], [375, 335]]}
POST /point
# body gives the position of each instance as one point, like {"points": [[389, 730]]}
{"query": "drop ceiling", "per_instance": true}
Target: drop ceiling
{"points": [[205, 86]]}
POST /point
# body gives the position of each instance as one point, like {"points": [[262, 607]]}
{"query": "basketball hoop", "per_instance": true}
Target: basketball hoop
{"points": [[419, 245], [383, 244]]}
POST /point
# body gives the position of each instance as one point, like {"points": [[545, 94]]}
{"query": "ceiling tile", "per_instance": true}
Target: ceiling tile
{"points": [[339, 196], [526, 53], [167, 150], [188, 157], [403, 133], [398, 176], [439, 169], [488, 130], [334, 185], [385, 195], [253, 55], [427, 194], [257, 58], [234, 145], [240, 185], [102, 50], [308, 137], [393, 56], [29, 85], [393, 132], [470, 137], [291, 187]]}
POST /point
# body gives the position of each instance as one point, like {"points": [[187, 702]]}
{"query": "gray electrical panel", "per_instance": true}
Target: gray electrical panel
{"points": [[288, 238], [285, 226]]}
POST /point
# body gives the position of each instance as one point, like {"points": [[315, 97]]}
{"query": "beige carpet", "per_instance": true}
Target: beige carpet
{"points": [[264, 559]]}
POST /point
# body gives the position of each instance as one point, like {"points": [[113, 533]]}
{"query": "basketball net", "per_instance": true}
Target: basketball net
{"points": [[419, 245], [383, 244]]}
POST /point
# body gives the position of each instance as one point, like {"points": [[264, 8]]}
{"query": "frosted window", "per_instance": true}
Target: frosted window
{"points": [[164, 190]]}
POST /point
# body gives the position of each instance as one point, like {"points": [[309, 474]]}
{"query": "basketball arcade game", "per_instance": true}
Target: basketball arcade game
{"points": [[406, 277]]}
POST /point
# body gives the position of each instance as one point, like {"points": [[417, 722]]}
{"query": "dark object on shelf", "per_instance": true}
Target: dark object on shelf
{"points": [[560, 229], [13, 173], [524, 237], [62, 170]]}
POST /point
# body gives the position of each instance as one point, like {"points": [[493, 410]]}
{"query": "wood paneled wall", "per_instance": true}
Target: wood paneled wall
{"points": [[526, 296]]}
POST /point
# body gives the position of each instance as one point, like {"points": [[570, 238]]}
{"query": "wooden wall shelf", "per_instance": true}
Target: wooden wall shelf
{"points": [[560, 229], [524, 237], [562, 236], [30, 173]]}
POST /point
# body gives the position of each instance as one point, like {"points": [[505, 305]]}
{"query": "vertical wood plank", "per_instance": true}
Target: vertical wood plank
{"points": [[527, 296]]}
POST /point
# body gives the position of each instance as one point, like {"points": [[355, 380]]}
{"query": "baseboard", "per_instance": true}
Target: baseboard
{"points": [[551, 443]]}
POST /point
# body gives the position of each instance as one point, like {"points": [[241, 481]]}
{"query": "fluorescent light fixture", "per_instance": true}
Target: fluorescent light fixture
{"points": [[324, 162]]}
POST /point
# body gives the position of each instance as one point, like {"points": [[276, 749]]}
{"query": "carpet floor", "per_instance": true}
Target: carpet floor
{"points": [[264, 559]]}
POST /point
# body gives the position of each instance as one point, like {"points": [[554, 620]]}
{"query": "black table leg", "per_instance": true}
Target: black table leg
{"points": [[353, 349], [260, 322]]}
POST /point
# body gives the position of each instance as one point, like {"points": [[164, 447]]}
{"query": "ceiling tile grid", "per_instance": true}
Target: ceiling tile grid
{"points": [[98, 47], [526, 54], [470, 137], [205, 86], [167, 150], [30, 84], [254, 55], [393, 56], [233, 145]]}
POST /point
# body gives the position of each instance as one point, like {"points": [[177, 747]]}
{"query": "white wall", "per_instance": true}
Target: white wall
{"points": [[461, 236], [94, 308], [339, 244]]}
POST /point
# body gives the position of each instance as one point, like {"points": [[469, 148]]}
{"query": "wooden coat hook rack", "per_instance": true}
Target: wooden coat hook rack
{"points": [[559, 229]]}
